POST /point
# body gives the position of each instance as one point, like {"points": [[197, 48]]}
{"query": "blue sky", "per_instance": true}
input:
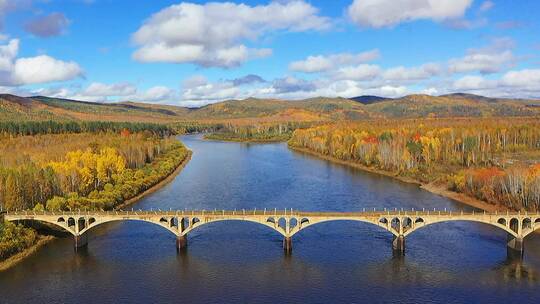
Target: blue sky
{"points": [[199, 52]]}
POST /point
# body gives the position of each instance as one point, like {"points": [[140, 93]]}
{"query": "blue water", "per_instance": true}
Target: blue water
{"points": [[336, 262]]}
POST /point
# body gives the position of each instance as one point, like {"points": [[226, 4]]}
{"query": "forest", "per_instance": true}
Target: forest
{"points": [[80, 171], [21, 128], [256, 132], [492, 160]]}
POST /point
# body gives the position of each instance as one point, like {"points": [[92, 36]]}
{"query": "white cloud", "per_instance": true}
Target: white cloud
{"points": [[519, 83], [401, 73], [359, 72], [528, 79], [32, 70], [198, 91], [7, 54], [212, 34], [382, 13], [482, 62], [155, 94], [495, 57], [115, 89], [194, 81], [43, 68], [52, 92], [430, 91], [471, 82], [320, 63], [101, 92]]}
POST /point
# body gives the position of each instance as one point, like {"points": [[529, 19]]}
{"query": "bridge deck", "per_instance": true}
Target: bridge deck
{"points": [[274, 212]]}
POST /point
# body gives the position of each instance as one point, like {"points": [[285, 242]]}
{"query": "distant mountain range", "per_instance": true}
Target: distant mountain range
{"points": [[314, 109], [369, 99]]}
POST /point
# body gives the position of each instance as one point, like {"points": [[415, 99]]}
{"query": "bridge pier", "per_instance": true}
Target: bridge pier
{"points": [[181, 243], [398, 245], [80, 241], [515, 247], [287, 244]]}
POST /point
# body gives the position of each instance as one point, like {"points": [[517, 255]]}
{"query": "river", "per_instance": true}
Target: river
{"points": [[335, 262]]}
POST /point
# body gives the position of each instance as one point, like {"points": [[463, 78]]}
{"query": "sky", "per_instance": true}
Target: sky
{"points": [[196, 53]]}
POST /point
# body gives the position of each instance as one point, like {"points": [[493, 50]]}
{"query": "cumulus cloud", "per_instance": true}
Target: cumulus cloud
{"points": [[321, 63], [424, 71], [490, 59], [528, 79], [213, 34], [483, 62], [56, 92], [358, 72], [7, 54], [44, 68], [115, 89], [471, 83], [31, 70], [47, 26], [102, 92], [518, 83], [155, 94], [198, 90], [381, 13]]}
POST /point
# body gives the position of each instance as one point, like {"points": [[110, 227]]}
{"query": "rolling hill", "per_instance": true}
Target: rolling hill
{"points": [[268, 110], [460, 105]]}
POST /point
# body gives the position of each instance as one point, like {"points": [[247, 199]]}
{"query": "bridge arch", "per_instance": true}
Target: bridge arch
{"points": [[56, 223], [534, 227], [158, 222], [266, 223], [381, 223], [429, 223]]}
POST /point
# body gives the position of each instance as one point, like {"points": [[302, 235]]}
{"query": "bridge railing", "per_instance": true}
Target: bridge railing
{"points": [[262, 212]]}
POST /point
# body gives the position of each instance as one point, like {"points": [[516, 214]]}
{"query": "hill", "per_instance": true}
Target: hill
{"points": [[251, 110], [369, 99], [460, 105]]}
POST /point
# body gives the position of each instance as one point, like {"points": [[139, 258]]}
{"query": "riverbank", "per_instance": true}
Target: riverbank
{"points": [[44, 239], [20, 256], [159, 185], [431, 187]]}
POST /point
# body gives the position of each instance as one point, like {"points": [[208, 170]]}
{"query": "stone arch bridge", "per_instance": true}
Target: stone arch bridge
{"points": [[286, 222]]}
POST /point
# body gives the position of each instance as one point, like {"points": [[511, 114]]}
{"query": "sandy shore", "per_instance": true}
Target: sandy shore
{"points": [[433, 188]]}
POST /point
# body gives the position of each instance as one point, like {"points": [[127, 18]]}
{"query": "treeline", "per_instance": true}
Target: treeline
{"points": [[518, 186], [261, 132], [15, 238], [56, 127], [88, 175], [430, 150], [195, 127]]}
